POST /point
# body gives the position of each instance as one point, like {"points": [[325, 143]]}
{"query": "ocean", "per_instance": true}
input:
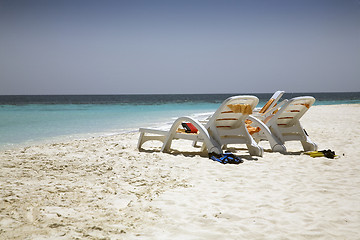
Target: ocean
{"points": [[29, 119]]}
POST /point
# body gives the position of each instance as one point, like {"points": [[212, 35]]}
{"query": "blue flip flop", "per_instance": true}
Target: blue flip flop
{"points": [[225, 158]]}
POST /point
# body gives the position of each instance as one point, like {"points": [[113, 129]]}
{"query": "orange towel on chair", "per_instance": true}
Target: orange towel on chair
{"points": [[250, 128]]}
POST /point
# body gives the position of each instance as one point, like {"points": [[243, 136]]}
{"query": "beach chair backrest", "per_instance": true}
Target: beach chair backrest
{"points": [[233, 112], [293, 110]]}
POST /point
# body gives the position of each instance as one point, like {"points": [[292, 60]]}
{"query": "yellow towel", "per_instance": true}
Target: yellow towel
{"points": [[240, 108]]}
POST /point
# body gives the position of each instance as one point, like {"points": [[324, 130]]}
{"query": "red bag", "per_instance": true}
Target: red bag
{"points": [[189, 128]]}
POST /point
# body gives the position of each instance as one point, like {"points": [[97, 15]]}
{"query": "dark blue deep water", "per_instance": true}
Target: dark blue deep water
{"points": [[322, 98]]}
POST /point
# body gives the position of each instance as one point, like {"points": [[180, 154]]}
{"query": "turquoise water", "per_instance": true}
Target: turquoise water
{"points": [[28, 124], [28, 121]]}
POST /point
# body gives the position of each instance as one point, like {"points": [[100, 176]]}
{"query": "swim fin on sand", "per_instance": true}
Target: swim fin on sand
{"points": [[324, 153]]}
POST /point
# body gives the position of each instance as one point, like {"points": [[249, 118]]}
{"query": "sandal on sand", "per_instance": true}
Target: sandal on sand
{"points": [[225, 158]]}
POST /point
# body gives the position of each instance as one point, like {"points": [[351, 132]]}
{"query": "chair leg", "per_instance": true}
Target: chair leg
{"points": [[253, 147], [265, 134], [255, 150], [140, 141], [167, 143], [146, 135], [309, 145], [306, 142], [278, 148], [276, 145]]}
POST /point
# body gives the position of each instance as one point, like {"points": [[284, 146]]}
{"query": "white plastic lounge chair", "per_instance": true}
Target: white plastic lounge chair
{"points": [[285, 123], [265, 111], [225, 126]]}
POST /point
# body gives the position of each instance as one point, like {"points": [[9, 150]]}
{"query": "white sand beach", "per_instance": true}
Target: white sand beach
{"points": [[104, 188]]}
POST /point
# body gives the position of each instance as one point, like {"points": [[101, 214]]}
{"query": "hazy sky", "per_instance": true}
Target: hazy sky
{"points": [[224, 46]]}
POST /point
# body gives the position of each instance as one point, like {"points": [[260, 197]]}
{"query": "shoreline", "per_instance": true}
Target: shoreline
{"points": [[104, 188], [85, 136], [63, 138]]}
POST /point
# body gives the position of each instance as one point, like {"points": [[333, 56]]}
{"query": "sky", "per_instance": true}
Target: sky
{"points": [[179, 47]]}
